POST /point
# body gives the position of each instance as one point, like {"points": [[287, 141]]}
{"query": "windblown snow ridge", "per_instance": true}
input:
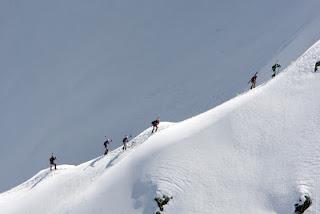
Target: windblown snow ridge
{"points": [[257, 153]]}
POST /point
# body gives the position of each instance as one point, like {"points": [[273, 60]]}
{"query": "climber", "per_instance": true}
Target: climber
{"points": [[155, 124], [52, 163], [107, 141], [274, 69], [125, 141], [253, 80]]}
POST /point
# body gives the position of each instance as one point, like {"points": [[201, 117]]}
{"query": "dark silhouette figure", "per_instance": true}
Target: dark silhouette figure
{"points": [[155, 124], [52, 163], [275, 69], [125, 141], [107, 141], [253, 80]]}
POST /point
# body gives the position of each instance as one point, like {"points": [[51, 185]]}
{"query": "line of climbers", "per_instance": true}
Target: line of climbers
{"points": [[275, 70], [107, 141]]}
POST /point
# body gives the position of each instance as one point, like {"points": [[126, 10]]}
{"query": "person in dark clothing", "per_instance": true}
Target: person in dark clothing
{"points": [[52, 163], [316, 66], [274, 69], [155, 124], [106, 143], [253, 80], [125, 141]]}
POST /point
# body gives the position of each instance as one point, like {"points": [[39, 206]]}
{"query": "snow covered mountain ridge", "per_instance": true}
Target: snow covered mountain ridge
{"points": [[74, 71], [256, 153]]}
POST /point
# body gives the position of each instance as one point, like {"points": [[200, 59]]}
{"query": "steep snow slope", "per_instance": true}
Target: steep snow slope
{"points": [[74, 71], [256, 153]]}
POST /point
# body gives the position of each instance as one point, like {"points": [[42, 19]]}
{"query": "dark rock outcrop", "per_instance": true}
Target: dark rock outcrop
{"points": [[303, 205], [161, 201]]}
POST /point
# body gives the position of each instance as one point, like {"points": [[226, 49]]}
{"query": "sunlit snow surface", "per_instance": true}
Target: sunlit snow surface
{"points": [[256, 153], [74, 71]]}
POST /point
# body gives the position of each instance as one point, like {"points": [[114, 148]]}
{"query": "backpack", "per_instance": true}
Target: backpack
{"points": [[52, 159], [253, 79], [155, 122]]}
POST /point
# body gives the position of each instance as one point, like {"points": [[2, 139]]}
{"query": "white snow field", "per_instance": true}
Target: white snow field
{"points": [[74, 71], [255, 154]]}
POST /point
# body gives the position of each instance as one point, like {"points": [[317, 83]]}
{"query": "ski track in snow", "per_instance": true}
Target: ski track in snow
{"points": [[188, 60]]}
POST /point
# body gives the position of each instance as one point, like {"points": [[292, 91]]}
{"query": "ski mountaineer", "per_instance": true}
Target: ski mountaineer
{"points": [[155, 124], [125, 141], [52, 163], [316, 66], [106, 142], [274, 69], [253, 80]]}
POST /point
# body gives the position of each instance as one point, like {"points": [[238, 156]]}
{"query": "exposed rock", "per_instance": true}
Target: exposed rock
{"points": [[161, 201], [303, 204]]}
